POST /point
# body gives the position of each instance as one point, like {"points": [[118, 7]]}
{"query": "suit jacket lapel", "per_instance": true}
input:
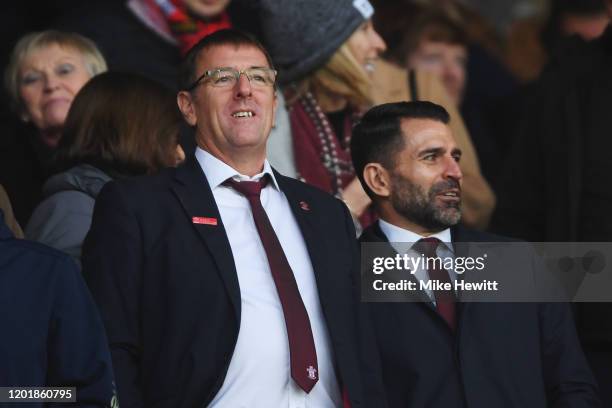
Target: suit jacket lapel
{"points": [[303, 213], [375, 234], [193, 192]]}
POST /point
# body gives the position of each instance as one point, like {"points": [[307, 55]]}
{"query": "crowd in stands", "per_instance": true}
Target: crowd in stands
{"points": [[104, 94]]}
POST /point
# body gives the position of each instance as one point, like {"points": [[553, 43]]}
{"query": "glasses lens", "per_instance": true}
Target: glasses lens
{"points": [[261, 76], [223, 77]]}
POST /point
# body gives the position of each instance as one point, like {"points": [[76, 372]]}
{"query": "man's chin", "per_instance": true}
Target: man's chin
{"points": [[449, 217]]}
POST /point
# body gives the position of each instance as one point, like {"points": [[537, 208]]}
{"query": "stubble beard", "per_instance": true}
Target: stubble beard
{"points": [[410, 200]]}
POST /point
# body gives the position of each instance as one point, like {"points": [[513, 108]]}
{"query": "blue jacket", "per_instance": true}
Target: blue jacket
{"points": [[52, 334]]}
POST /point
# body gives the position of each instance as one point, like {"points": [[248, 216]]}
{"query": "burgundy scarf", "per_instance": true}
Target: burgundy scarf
{"points": [[319, 157]]}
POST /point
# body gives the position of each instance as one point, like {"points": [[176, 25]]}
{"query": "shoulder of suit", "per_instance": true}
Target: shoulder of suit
{"points": [[145, 183], [302, 188], [33, 252]]}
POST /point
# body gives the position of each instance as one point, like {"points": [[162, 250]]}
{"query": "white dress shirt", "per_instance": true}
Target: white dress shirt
{"points": [[259, 374], [402, 241]]}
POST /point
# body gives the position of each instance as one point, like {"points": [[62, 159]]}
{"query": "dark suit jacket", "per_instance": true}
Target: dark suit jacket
{"points": [[169, 295], [52, 334], [503, 355]]}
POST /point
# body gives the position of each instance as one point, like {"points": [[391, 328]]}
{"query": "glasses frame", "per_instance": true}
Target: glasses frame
{"points": [[211, 72]]}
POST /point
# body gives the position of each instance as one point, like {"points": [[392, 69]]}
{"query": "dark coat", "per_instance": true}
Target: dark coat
{"points": [[52, 334], [169, 296], [503, 355], [541, 195]]}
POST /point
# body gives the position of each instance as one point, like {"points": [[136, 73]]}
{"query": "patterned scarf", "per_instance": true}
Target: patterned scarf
{"points": [[319, 156], [171, 19]]}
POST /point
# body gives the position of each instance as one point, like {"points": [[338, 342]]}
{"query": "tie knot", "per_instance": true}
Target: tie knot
{"points": [[248, 188], [427, 246]]}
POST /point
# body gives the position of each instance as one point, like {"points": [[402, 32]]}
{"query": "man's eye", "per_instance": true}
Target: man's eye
{"points": [[429, 157], [457, 157], [258, 78], [223, 79]]}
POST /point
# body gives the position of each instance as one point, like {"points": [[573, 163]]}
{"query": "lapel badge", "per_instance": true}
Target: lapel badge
{"points": [[304, 206], [204, 220]]}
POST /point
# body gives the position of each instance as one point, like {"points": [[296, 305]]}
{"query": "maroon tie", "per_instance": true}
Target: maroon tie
{"points": [[303, 354], [445, 299]]}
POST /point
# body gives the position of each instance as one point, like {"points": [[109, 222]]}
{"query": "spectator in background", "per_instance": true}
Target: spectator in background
{"points": [[45, 72], [147, 37], [120, 125], [586, 18], [435, 43], [557, 178], [52, 334]]}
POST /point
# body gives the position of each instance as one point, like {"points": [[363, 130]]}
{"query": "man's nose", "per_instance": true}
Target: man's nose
{"points": [[453, 170], [243, 86]]}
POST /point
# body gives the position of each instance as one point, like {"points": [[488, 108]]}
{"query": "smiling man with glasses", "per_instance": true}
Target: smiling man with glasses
{"points": [[223, 283]]}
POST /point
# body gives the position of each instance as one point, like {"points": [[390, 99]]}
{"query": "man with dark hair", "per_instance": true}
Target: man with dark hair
{"points": [[223, 283], [439, 353]]}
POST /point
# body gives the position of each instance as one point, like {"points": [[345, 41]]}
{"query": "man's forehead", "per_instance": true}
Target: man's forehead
{"points": [[230, 55], [421, 133]]}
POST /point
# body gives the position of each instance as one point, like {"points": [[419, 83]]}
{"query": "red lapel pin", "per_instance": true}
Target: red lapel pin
{"points": [[204, 220], [304, 206]]}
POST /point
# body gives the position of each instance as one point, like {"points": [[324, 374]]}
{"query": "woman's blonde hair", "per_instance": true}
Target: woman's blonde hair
{"points": [[340, 76], [94, 61]]}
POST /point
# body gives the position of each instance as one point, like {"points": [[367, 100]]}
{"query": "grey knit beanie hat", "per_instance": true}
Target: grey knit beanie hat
{"points": [[301, 35]]}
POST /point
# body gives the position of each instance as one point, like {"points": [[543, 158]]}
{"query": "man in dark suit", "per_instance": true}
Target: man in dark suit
{"points": [[223, 283], [439, 352], [52, 335]]}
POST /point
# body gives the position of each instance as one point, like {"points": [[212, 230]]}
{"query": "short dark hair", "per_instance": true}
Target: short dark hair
{"points": [[137, 136], [378, 136], [228, 36]]}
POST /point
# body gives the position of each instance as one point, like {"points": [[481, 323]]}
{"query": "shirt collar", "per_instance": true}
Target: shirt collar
{"points": [[398, 234], [217, 172]]}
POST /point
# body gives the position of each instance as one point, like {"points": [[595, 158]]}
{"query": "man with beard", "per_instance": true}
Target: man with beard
{"points": [[439, 352]]}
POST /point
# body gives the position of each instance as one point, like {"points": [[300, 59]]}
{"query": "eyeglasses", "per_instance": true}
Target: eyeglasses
{"points": [[259, 77]]}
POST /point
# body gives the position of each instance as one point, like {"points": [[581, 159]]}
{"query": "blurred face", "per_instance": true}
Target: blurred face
{"points": [[587, 27], [366, 45], [426, 181], [231, 121], [49, 78], [206, 8], [447, 61]]}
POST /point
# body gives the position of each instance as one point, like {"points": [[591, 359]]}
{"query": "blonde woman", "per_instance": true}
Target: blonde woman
{"points": [[327, 57]]}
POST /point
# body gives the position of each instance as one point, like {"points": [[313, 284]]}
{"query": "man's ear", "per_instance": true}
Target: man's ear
{"points": [[378, 179], [274, 108], [187, 108]]}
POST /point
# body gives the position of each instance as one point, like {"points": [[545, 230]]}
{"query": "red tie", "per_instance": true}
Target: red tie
{"points": [[303, 355], [445, 299]]}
